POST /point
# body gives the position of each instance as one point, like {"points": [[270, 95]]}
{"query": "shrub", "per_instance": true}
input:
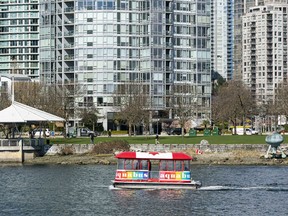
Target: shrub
{"points": [[110, 147]]}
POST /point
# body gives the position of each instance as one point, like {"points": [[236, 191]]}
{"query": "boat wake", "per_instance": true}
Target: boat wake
{"points": [[111, 187], [224, 188]]}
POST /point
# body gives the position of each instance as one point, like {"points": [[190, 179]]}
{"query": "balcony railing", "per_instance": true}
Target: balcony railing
{"points": [[68, 57]]}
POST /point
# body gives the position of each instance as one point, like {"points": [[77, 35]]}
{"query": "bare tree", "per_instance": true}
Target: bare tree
{"points": [[4, 99], [232, 102], [184, 104], [48, 98], [89, 117], [133, 104], [279, 107]]}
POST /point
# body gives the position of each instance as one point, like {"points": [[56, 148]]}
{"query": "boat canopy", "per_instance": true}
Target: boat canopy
{"points": [[154, 155]]}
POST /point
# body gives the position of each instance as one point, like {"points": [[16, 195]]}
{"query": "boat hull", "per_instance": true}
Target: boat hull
{"points": [[156, 185]]}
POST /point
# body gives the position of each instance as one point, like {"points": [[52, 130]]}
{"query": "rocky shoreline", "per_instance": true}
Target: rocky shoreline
{"points": [[241, 157]]}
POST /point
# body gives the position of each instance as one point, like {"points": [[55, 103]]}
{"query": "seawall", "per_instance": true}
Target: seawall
{"points": [[86, 148]]}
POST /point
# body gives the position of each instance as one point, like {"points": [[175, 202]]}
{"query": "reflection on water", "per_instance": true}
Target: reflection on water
{"points": [[86, 190], [157, 193], [170, 194]]}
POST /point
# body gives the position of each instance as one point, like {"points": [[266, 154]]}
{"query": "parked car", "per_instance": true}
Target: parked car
{"points": [[88, 132], [175, 131], [251, 131], [40, 133]]}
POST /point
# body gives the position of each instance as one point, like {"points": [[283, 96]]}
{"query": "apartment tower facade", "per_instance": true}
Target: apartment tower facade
{"points": [[19, 37], [222, 38], [97, 47], [240, 8], [265, 49]]}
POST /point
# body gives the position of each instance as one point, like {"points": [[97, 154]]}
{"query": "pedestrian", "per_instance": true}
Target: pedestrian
{"points": [[92, 138], [109, 133], [157, 139]]}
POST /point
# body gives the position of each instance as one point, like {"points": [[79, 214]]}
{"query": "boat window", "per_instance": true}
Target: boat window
{"points": [[166, 165], [144, 165], [120, 164], [178, 165], [128, 164], [136, 165], [186, 165]]}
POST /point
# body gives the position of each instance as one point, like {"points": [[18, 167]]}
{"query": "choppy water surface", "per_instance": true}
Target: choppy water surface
{"points": [[85, 190]]}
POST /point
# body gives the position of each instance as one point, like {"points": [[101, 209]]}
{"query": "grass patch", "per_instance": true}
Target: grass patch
{"points": [[229, 139]]}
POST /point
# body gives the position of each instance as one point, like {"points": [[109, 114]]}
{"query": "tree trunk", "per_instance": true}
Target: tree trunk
{"points": [[130, 129], [244, 125]]}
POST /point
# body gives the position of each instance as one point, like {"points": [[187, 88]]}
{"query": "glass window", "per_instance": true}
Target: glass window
{"points": [[178, 165], [136, 165], [120, 164], [144, 165], [166, 165], [128, 164], [186, 165]]}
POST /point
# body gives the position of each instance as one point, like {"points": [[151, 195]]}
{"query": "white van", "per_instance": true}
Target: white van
{"points": [[240, 130]]}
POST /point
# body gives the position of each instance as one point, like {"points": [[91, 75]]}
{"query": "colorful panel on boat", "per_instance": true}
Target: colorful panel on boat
{"points": [[132, 175], [175, 176]]}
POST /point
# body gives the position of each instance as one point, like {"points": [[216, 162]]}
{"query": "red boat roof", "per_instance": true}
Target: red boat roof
{"points": [[154, 155]]}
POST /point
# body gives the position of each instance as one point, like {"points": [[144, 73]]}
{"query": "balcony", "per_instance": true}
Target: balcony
{"points": [[67, 46], [69, 57], [169, 33], [69, 69], [169, 44], [69, 33], [69, 10], [69, 22]]}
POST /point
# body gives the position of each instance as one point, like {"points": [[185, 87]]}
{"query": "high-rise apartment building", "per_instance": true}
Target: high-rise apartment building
{"points": [[19, 37], [265, 49], [240, 9], [98, 47], [222, 38]]}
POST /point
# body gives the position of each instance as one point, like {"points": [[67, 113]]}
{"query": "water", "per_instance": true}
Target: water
{"points": [[85, 190]]}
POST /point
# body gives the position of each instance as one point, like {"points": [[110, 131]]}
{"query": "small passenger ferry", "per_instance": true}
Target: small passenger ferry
{"points": [[154, 170]]}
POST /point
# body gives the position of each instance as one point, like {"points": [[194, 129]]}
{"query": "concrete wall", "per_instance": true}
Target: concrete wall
{"points": [[15, 155], [86, 148], [12, 156], [77, 148], [204, 147]]}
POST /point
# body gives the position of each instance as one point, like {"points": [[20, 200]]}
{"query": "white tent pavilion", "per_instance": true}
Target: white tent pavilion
{"points": [[21, 113]]}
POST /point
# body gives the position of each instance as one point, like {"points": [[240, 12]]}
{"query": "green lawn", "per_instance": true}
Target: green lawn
{"points": [[257, 139]]}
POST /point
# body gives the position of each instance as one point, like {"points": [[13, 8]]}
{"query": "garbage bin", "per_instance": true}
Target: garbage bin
{"points": [[192, 132], [207, 132], [215, 131]]}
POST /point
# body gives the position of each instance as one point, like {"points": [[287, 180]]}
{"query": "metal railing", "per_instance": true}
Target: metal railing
{"points": [[25, 142]]}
